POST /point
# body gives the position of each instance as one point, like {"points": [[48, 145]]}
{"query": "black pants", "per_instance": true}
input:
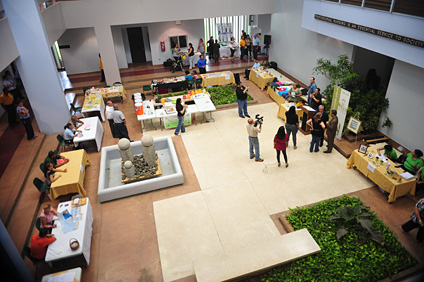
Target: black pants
{"points": [[103, 75], [16, 95], [242, 51], [28, 128], [202, 70], [249, 51], [122, 130], [247, 73], [412, 225], [255, 52], [11, 114], [112, 128], [232, 53], [284, 154]]}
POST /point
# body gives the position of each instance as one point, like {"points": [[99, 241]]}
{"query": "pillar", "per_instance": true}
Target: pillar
{"points": [[36, 65], [107, 51]]}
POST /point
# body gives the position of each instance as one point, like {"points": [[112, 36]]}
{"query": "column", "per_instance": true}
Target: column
{"points": [[36, 65], [107, 51]]}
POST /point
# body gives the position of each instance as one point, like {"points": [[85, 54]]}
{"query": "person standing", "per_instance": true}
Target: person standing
{"points": [[191, 55], [317, 131], [331, 130], [210, 47], [312, 87], [248, 47], [201, 47], [216, 47], [181, 110], [242, 48], [253, 131], [102, 72], [316, 98], [201, 63], [9, 82], [242, 100], [256, 45], [324, 120], [232, 47], [120, 123], [6, 101], [292, 124], [109, 111], [417, 221], [39, 243], [26, 120], [281, 140]]}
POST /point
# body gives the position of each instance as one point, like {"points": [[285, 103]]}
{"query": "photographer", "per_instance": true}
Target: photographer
{"points": [[253, 131], [242, 100]]}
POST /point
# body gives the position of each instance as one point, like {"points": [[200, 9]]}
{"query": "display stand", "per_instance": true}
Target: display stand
{"points": [[308, 113]]}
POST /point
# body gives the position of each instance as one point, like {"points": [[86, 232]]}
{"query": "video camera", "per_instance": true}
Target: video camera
{"points": [[259, 119]]}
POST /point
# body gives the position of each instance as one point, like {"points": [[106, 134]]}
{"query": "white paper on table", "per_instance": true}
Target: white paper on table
{"points": [[257, 75], [309, 108], [81, 168], [64, 277], [371, 167], [227, 77], [67, 224], [407, 176]]}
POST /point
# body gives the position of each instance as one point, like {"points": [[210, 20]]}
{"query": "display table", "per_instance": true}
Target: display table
{"points": [[93, 103], [273, 93], [71, 181], [225, 52], [74, 272], [59, 254], [113, 92], [260, 77], [282, 109], [148, 114], [204, 105], [92, 130], [170, 83], [380, 176], [217, 78]]}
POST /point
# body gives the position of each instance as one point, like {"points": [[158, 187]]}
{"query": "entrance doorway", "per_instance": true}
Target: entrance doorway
{"points": [[136, 43]]}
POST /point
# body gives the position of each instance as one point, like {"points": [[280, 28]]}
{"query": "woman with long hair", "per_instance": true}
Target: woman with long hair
{"points": [[280, 144], [232, 47], [180, 113], [191, 55], [317, 128], [49, 171], [292, 124], [201, 47]]}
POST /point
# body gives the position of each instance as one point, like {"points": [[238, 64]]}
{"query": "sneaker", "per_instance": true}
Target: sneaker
{"points": [[253, 156], [247, 116], [241, 116], [295, 147], [260, 160]]}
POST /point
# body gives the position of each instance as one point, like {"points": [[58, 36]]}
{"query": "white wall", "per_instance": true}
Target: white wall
{"points": [[54, 24], [406, 106], [295, 49], [396, 23], [9, 52], [194, 29], [264, 23], [146, 42], [83, 56], [119, 47]]}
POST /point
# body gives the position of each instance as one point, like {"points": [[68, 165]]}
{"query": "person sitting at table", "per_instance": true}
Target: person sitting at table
{"points": [[76, 122], [40, 242], [255, 66], [188, 76], [295, 94], [70, 133], [201, 63], [420, 181], [56, 159], [413, 161], [389, 152], [46, 217], [195, 76], [175, 52], [49, 173]]}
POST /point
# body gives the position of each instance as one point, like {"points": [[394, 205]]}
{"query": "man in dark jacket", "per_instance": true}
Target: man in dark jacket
{"points": [[216, 51], [242, 100], [331, 130], [210, 48]]}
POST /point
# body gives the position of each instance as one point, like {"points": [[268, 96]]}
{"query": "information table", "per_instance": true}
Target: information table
{"points": [[71, 181], [92, 130], [178, 82], [112, 92], [260, 77], [93, 103], [59, 254], [376, 172], [217, 78], [148, 114]]}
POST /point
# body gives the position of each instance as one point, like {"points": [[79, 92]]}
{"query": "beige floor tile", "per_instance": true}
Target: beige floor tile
{"points": [[185, 232], [239, 217]]}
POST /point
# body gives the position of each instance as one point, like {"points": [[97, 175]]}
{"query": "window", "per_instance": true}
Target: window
{"points": [[181, 40]]}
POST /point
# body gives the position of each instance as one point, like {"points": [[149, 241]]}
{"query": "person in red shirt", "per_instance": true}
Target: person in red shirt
{"points": [[280, 144], [39, 243]]}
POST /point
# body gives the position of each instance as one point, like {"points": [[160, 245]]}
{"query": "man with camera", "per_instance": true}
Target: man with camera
{"points": [[253, 128], [242, 100]]}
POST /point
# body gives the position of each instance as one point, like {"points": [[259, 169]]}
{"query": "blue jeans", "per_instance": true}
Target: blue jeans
{"points": [[292, 128], [254, 142], [315, 141], [242, 107], [180, 125]]}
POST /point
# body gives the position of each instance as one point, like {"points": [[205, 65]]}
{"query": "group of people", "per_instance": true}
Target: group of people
{"points": [[246, 45], [201, 63], [117, 122]]}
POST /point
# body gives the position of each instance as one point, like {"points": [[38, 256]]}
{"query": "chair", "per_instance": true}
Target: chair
{"points": [[35, 261], [42, 167], [38, 223], [62, 142], [84, 89], [76, 109], [117, 83], [106, 86], [190, 83], [41, 186], [147, 88], [199, 82]]}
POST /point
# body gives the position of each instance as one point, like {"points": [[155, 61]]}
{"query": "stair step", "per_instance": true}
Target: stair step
{"points": [[256, 258]]}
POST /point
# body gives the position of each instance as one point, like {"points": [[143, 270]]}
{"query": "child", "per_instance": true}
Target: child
{"points": [[195, 76]]}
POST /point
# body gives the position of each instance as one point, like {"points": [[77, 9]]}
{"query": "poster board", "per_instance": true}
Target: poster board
{"points": [[340, 103]]}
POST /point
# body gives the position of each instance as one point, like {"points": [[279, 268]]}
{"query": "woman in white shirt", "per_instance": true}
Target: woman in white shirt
{"points": [[232, 46]]}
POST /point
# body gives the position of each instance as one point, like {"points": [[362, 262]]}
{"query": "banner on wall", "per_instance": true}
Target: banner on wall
{"points": [[340, 103], [225, 32]]}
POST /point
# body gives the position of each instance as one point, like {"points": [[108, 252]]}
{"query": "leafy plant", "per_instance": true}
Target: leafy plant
{"points": [[354, 218], [366, 102]]}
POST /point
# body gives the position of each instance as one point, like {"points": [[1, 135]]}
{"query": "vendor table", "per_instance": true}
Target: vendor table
{"points": [[172, 83], [112, 92], [225, 52], [217, 78], [148, 114], [260, 77], [59, 254], [92, 130], [71, 181], [93, 103], [283, 108], [380, 176], [74, 272], [204, 104]]}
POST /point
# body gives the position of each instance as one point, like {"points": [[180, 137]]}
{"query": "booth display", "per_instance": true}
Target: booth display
{"points": [[93, 103], [261, 77], [217, 78], [92, 130], [112, 92], [179, 83]]}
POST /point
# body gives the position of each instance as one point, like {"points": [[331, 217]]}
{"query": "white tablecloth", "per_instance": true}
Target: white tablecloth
{"points": [[76, 272], [148, 111], [97, 108], [59, 249], [204, 104], [94, 133], [226, 51], [196, 56]]}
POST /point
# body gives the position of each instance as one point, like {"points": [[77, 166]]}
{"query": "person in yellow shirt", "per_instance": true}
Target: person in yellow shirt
{"points": [[242, 47], [6, 101], [101, 69]]}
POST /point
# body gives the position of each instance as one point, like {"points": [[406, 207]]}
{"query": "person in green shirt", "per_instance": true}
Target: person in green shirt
{"points": [[420, 181], [413, 161], [295, 93], [56, 159], [389, 152]]}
